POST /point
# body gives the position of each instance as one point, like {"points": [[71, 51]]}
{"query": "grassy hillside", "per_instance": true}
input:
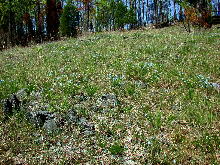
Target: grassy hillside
{"points": [[168, 109]]}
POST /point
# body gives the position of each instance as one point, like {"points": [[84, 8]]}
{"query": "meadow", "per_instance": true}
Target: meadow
{"points": [[165, 81]]}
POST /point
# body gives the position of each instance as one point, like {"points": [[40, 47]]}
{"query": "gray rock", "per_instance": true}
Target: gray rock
{"points": [[37, 95], [72, 116], [22, 94], [129, 162], [107, 101], [7, 109], [81, 97], [11, 105], [50, 125], [84, 123], [40, 117], [216, 86], [87, 127]]}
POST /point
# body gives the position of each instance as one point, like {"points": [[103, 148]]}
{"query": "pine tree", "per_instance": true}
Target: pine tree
{"points": [[69, 20]]}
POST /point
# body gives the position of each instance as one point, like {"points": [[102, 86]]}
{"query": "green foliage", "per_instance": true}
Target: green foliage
{"points": [[69, 20], [114, 15], [120, 15], [208, 142], [91, 89], [116, 149]]}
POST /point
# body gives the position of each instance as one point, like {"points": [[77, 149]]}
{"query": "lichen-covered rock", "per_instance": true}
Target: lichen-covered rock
{"points": [[11, 105], [81, 97], [22, 94], [107, 101], [72, 116], [216, 86], [38, 118], [50, 125], [87, 127]]}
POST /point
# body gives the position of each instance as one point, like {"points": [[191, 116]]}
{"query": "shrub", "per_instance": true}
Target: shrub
{"points": [[69, 20]]}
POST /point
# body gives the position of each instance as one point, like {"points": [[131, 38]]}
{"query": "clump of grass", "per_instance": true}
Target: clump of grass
{"points": [[116, 149]]}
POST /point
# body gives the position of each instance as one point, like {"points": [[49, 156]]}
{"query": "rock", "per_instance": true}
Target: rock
{"points": [[72, 116], [81, 97], [15, 103], [50, 125], [11, 105], [35, 105], [37, 95], [107, 101], [129, 162], [40, 117], [87, 127], [85, 124], [22, 94], [216, 86], [7, 109]]}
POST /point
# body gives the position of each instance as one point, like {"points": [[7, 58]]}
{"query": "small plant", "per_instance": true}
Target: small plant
{"points": [[208, 143], [130, 89], [91, 90], [155, 119], [117, 80], [116, 149], [126, 109]]}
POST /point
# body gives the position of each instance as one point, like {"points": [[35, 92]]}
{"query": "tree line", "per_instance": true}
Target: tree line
{"points": [[26, 21]]}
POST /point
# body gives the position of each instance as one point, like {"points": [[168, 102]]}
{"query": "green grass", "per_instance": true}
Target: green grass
{"points": [[167, 112]]}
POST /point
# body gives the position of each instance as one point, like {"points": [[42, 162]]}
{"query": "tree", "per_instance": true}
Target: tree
{"points": [[114, 15], [69, 20], [197, 13], [15, 17], [120, 15], [54, 8], [174, 14]]}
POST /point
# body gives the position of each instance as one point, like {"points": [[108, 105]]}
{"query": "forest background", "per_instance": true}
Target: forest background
{"points": [[26, 21]]}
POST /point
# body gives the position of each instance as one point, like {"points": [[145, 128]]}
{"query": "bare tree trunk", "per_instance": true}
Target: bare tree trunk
{"points": [[39, 23], [52, 19], [174, 6], [143, 2], [156, 11], [139, 13], [11, 24], [88, 15], [147, 10]]}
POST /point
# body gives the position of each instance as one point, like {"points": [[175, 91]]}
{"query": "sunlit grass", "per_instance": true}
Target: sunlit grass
{"points": [[168, 111]]}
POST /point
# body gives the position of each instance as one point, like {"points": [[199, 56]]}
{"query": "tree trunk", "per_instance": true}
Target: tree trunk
{"points": [[39, 23], [156, 11], [11, 24], [143, 2], [88, 15], [52, 19], [174, 14], [139, 13], [147, 10], [181, 14]]}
